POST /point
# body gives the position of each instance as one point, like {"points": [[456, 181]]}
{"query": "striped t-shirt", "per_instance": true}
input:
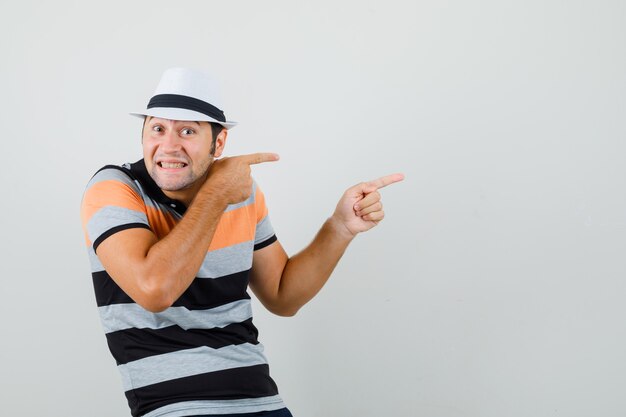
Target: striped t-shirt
{"points": [[200, 356]]}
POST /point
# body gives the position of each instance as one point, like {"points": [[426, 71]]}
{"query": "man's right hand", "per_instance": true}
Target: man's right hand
{"points": [[231, 175]]}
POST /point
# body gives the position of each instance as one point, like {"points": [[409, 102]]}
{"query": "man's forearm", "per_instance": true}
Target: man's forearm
{"points": [[306, 272], [173, 262]]}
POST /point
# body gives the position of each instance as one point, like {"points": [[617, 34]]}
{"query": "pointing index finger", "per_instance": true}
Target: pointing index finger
{"points": [[259, 158], [386, 180]]}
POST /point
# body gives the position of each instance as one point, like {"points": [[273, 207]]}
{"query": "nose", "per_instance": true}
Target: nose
{"points": [[171, 141]]}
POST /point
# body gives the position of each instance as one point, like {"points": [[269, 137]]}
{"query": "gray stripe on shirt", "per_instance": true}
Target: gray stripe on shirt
{"points": [[117, 317], [109, 217], [189, 362], [226, 261], [212, 407], [94, 261], [109, 174], [217, 263], [264, 230]]}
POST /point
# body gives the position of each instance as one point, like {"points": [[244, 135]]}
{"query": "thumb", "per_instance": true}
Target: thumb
{"points": [[363, 188], [368, 188]]}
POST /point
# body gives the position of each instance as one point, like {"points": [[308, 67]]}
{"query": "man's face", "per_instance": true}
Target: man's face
{"points": [[177, 153]]}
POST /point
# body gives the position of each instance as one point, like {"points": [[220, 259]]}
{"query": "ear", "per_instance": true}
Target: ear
{"points": [[220, 142]]}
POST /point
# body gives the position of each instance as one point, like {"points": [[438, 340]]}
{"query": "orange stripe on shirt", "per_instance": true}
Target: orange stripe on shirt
{"points": [[235, 226], [108, 193], [161, 222]]}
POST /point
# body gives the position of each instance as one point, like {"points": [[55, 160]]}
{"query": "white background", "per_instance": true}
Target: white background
{"points": [[495, 286]]}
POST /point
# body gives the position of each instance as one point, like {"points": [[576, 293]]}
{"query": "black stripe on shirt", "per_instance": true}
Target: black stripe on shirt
{"points": [[230, 384], [266, 242], [133, 344], [203, 293], [116, 229], [107, 291]]}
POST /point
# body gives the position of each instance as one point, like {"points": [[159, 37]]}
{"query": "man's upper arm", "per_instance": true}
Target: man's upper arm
{"points": [[268, 265], [269, 257], [116, 227]]}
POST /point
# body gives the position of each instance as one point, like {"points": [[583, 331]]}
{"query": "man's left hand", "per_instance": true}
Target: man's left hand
{"points": [[360, 207]]}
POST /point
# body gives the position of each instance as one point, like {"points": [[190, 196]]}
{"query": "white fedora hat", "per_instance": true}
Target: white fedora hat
{"points": [[186, 94]]}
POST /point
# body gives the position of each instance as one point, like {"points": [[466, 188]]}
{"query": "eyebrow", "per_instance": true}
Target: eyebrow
{"points": [[179, 121]]}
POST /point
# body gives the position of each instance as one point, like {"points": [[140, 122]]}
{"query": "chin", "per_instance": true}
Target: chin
{"points": [[173, 186]]}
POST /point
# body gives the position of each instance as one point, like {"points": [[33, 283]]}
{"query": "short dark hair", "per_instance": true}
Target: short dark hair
{"points": [[216, 129]]}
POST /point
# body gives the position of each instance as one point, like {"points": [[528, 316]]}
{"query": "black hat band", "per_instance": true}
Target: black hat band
{"points": [[186, 102]]}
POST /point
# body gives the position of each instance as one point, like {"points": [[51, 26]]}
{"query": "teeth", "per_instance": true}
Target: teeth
{"points": [[172, 165]]}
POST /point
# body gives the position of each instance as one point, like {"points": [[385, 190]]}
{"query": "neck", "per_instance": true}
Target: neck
{"points": [[185, 196]]}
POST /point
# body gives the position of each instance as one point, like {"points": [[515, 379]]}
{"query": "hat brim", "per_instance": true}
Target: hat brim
{"points": [[172, 113]]}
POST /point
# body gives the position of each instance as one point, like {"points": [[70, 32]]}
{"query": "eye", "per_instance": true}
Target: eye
{"points": [[157, 128], [188, 131]]}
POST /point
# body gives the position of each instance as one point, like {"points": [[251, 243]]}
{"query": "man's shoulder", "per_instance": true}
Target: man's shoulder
{"points": [[112, 201], [112, 188], [119, 173], [112, 183]]}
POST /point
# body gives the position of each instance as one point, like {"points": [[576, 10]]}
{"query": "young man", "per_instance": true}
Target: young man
{"points": [[175, 239]]}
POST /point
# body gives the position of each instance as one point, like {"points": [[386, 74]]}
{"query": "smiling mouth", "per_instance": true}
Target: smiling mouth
{"points": [[171, 165]]}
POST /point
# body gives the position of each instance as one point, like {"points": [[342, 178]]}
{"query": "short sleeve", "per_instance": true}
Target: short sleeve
{"points": [[111, 203], [264, 234]]}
